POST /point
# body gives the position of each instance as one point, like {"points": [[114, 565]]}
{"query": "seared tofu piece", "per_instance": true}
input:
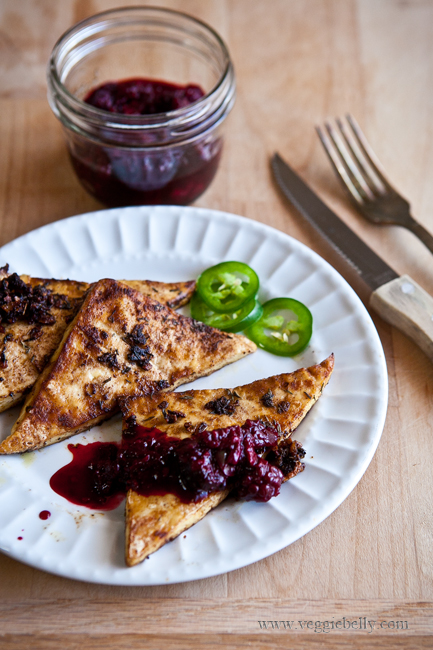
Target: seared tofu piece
{"points": [[283, 400], [26, 348], [121, 343]]}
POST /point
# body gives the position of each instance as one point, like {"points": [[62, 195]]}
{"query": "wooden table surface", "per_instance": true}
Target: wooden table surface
{"points": [[297, 63]]}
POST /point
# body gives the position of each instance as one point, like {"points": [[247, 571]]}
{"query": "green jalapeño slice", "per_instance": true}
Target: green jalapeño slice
{"points": [[229, 322], [284, 329], [226, 287]]}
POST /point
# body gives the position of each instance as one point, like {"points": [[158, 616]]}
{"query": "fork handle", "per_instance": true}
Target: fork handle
{"points": [[404, 304], [421, 233]]}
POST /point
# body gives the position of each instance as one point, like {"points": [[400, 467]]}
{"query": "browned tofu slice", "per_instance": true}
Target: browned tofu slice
{"points": [[284, 400], [121, 343], [153, 521], [26, 348]]}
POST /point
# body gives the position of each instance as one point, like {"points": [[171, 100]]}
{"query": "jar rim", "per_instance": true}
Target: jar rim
{"points": [[191, 112]]}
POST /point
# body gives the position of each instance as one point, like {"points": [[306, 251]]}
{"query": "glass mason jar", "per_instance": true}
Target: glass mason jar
{"points": [[168, 157]]}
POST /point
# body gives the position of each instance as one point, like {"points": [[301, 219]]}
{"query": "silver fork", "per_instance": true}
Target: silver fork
{"points": [[361, 173]]}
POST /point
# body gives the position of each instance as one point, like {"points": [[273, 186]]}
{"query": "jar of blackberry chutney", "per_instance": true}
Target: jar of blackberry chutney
{"points": [[142, 94]]}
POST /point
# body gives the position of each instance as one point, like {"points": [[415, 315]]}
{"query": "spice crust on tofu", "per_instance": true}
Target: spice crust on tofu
{"points": [[34, 314], [121, 343]]}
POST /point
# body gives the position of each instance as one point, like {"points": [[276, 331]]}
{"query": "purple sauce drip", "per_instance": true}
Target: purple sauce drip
{"points": [[44, 515]]}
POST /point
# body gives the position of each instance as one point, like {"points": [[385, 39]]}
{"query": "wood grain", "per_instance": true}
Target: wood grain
{"points": [[214, 616], [297, 63], [214, 641]]}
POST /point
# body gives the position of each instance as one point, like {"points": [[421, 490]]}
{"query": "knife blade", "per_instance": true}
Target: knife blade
{"points": [[399, 300]]}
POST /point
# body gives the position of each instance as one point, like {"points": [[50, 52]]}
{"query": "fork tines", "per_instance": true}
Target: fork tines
{"points": [[354, 160]]}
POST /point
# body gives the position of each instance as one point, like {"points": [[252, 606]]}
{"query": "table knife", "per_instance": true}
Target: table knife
{"points": [[397, 299]]}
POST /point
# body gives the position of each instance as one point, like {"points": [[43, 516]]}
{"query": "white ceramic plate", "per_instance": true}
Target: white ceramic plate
{"points": [[340, 435]]}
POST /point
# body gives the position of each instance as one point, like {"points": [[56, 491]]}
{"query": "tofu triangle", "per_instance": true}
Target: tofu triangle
{"points": [[26, 348], [121, 343], [285, 400]]}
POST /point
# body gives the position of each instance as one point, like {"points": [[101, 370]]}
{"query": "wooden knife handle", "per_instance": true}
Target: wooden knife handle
{"points": [[404, 304]]}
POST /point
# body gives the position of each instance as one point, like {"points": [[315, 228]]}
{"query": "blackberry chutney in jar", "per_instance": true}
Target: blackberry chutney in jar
{"points": [[142, 94]]}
